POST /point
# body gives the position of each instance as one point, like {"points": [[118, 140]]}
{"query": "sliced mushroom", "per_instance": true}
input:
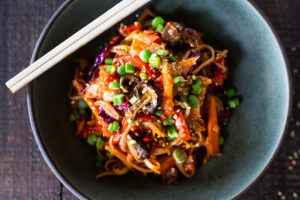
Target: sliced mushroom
{"points": [[137, 147], [128, 82], [142, 89]]}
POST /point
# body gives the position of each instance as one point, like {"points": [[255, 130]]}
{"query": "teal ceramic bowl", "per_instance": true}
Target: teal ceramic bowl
{"points": [[259, 72]]}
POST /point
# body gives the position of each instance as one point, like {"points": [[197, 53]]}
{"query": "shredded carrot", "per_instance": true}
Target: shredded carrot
{"points": [[212, 140]]}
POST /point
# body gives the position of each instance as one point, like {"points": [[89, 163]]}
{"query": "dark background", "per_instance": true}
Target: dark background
{"points": [[23, 172]]}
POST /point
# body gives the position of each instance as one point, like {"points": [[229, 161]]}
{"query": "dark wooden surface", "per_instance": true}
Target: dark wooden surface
{"points": [[23, 172]]}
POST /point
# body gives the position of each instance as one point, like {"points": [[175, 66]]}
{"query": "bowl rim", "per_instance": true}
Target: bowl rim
{"points": [[67, 183]]}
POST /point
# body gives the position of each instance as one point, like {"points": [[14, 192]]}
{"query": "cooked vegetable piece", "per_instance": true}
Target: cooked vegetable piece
{"points": [[100, 143], [143, 76], [193, 101], [181, 125], [114, 126], [110, 69], [172, 132], [234, 103], [230, 92], [92, 139], [179, 155], [114, 85], [133, 99], [145, 55], [129, 68], [156, 21], [178, 80], [121, 70], [212, 140], [154, 60], [108, 61], [118, 99]]}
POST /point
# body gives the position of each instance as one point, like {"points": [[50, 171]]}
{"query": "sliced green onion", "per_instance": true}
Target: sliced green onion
{"points": [[172, 59], [197, 86], [100, 143], [172, 132], [143, 76], [145, 55], [110, 69], [193, 101], [179, 155], [156, 21], [159, 28], [121, 70], [230, 92], [118, 99], [74, 117], [114, 85], [161, 52], [129, 68], [133, 99], [233, 103], [108, 61], [159, 113], [221, 140], [82, 104], [177, 80], [108, 155], [92, 139], [155, 60], [113, 126], [130, 121], [168, 121]]}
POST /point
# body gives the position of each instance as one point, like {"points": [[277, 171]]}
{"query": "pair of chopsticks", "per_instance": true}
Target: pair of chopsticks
{"points": [[80, 38]]}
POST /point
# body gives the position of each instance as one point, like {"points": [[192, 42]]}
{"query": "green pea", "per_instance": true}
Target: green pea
{"points": [[145, 55], [155, 60], [92, 139], [100, 143], [156, 21]]}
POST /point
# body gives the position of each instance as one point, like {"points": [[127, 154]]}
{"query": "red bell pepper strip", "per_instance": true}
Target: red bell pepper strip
{"points": [[139, 64], [180, 125], [132, 27]]}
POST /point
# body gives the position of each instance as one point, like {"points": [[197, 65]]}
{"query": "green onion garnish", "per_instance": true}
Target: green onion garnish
{"points": [[172, 132], [118, 99], [179, 155], [108, 61], [114, 85]]}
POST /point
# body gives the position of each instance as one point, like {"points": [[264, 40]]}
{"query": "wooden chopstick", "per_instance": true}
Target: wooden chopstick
{"points": [[83, 36]]}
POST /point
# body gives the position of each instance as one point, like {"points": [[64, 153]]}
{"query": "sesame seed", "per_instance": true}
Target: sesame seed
{"points": [[295, 195], [175, 116], [194, 77], [299, 151], [295, 154], [290, 157], [292, 134], [298, 104], [294, 49], [279, 193], [283, 197], [290, 167], [295, 71], [294, 162], [297, 123]]}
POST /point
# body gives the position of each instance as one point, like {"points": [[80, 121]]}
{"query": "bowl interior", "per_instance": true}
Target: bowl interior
{"points": [[257, 69]]}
